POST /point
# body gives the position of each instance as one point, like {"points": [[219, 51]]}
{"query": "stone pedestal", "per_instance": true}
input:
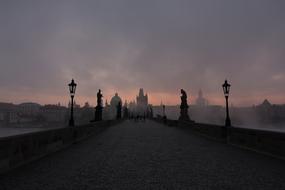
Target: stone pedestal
{"points": [[98, 113], [184, 113]]}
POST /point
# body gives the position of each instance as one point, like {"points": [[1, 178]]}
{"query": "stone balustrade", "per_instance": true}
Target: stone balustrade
{"points": [[21, 149]]}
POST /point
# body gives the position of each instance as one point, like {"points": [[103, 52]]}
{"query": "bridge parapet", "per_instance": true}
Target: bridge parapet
{"points": [[21, 149], [267, 142]]}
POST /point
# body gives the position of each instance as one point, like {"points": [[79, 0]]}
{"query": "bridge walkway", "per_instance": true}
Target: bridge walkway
{"points": [[148, 155]]}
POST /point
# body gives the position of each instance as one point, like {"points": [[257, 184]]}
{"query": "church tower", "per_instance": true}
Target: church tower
{"points": [[201, 101], [142, 102]]}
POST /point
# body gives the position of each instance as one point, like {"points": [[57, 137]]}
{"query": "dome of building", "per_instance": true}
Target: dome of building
{"points": [[115, 100]]}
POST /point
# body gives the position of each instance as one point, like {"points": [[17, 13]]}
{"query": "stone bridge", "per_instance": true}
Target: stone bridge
{"points": [[147, 155]]}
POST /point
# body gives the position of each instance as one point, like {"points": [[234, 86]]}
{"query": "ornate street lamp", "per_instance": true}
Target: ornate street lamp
{"points": [[72, 88], [226, 89]]}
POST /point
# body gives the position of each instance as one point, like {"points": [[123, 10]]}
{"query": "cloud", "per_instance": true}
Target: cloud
{"points": [[160, 45]]}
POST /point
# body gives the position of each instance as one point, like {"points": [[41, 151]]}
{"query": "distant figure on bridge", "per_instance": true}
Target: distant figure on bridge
{"points": [[184, 107], [119, 110], [136, 118], [151, 112], [126, 111]]}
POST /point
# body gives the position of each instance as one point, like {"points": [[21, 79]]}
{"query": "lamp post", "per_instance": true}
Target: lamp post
{"points": [[226, 89], [72, 88]]}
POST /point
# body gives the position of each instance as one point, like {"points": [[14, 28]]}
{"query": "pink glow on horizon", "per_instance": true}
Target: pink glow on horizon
{"points": [[155, 98]]}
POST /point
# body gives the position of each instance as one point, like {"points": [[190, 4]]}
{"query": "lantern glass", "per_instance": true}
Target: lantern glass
{"points": [[226, 88], [72, 87]]}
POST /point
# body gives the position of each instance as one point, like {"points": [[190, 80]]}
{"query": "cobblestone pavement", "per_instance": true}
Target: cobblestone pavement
{"points": [[148, 156]]}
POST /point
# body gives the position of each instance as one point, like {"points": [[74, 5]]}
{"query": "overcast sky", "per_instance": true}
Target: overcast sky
{"points": [[159, 45]]}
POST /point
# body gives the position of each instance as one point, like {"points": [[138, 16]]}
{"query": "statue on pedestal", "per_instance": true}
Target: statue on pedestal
{"points": [[99, 98], [184, 107], [99, 107]]}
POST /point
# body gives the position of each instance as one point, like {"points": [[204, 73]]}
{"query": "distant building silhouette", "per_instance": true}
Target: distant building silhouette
{"points": [[201, 101], [86, 105], [115, 100], [8, 114], [113, 106], [132, 107], [265, 104], [85, 114], [142, 102], [75, 105], [265, 111], [54, 113], [29, 108]]}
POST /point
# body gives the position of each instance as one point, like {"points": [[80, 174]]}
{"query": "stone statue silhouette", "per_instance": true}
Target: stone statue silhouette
{"points": [[184, 99], [184, 107], [99, 98], [99, 107]]}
